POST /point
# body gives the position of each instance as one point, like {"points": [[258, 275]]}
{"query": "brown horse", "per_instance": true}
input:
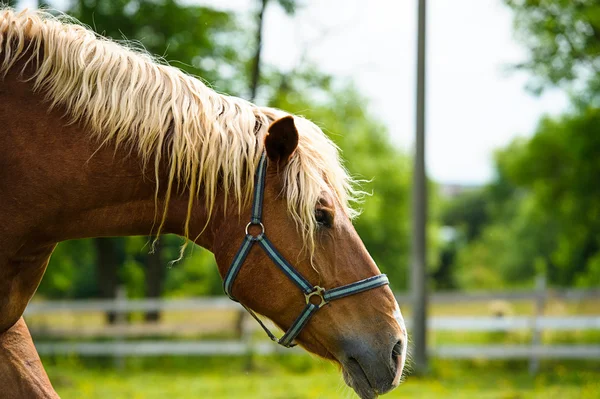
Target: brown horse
{"points": [[99, 140]]}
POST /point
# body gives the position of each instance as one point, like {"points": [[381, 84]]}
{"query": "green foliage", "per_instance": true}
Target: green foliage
{"points": [[196, 275], [71, 271], [197, 39], [289, 6], [467, 212], [559, 169], [462, 261], [542, 211], [544, 208], [563, 41]]}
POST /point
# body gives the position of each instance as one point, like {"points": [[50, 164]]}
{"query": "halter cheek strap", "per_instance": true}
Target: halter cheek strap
{"points": [[323, 296]]}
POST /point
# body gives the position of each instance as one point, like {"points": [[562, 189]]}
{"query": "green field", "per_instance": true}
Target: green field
{"points": [[304, 377], [307, 378]]}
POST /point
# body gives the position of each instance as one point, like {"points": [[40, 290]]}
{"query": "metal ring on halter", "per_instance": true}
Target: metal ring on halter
{"points": [[318, 291], [259, 235]]}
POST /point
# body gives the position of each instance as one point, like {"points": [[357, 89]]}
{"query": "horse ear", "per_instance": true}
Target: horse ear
{"points": [[282, 140]]}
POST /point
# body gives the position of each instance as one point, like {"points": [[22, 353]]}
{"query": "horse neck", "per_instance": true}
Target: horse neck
{"points": [[65, 186]]}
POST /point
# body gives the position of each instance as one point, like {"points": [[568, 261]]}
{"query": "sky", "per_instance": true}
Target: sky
{"points": [[473, 104]]}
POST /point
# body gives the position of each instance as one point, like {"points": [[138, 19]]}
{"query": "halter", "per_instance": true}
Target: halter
{"points": [[322, 295]]}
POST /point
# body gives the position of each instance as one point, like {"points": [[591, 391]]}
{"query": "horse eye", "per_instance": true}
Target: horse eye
{"points": [[323, 218]]}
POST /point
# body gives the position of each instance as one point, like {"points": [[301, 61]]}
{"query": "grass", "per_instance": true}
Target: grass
{"points": [[305, 378]]}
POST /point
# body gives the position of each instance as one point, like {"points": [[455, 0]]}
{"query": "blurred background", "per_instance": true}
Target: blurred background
{"points": [[513, 230]]}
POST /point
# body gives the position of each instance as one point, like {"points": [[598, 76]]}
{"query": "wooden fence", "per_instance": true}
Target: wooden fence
{"points": [[121, 346]]}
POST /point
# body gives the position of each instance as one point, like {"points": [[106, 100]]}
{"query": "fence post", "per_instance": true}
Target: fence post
{"points": [[120, 322], [536, 331], [245, 334]]}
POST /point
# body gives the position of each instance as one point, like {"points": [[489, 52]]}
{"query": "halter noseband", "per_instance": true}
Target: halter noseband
{"points": [[307, 288]]}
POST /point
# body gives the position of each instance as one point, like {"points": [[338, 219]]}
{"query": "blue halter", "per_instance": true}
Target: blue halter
{"points": [[323, 296]]}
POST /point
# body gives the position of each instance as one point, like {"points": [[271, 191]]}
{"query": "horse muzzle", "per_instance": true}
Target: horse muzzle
{"points": [[373, 369]]}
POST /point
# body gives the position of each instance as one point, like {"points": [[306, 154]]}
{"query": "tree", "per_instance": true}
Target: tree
{"points": [[559, 168], [197, 39], [71, 273], [155, 275], [289, 6], [563, 41], [465, 217], [467, 212], [110, 255], [544, 208]]}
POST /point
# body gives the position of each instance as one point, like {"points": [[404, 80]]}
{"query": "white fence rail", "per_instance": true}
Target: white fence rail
{"points": [[121, 347], [236, 348], [132, 305], [155, 348], [216, 303], [483, 324], [589, 352]]}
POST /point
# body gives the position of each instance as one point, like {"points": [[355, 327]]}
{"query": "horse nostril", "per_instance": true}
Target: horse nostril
{"points": [[397, 351], [397, 362]]}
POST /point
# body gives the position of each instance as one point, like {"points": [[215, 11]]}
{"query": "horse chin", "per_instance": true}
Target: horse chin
{"points": [[353, 373], [355, 378]]}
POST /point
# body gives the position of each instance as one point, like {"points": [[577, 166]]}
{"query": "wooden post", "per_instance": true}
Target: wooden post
{"points": [[120, 323], [248, 342], [536, 331], [419, 212], [155, 276]]}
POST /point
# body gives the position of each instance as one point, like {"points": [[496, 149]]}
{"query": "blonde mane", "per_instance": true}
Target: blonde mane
{"points": [[127, 98]]}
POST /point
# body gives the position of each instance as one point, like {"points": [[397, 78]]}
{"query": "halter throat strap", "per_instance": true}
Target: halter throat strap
{"points": [[324, 296]]}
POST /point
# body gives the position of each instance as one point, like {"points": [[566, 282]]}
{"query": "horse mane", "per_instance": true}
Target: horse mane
{"points": [[127, 97]]}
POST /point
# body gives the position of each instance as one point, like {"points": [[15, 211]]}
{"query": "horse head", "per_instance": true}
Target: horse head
{"points": [[304, 219]]}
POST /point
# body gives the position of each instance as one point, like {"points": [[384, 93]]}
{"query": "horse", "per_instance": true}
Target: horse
{"points": [[99, 139]]}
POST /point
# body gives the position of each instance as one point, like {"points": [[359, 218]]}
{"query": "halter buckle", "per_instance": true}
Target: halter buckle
{"points": [[320, 292], [259, 235]]}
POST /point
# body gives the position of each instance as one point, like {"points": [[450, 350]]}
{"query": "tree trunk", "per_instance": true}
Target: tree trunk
{"points": [[107, 266], [155, 273], [255, 77]]}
